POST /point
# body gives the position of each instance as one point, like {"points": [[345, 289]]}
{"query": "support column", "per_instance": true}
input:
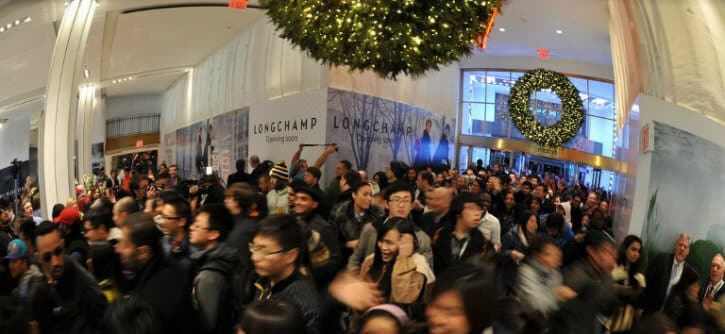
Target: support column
{"points": [[58, 120], [86, 106]]}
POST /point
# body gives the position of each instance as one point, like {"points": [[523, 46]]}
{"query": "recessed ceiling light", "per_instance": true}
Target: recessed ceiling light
{"points": [[558, 31], [27, 19], [9, 25], [2, 29], [17, 22], [501, 29]]}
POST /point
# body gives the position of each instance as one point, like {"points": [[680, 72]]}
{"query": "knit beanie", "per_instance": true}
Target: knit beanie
{"points": [[399, 169], [280, 171]]}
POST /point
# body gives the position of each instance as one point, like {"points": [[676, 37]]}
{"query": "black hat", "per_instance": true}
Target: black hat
{"points": [[313, 192]]}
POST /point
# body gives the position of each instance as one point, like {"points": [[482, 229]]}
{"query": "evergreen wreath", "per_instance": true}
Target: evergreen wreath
{"points": [[388, 37], [523, 118]]}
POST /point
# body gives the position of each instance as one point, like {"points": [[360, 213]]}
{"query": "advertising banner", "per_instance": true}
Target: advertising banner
{"points": [[199, 145], [371, 131], [278, 126]]}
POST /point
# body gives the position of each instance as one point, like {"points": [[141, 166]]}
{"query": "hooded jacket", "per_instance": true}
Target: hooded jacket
{"points": [[211, 294]]}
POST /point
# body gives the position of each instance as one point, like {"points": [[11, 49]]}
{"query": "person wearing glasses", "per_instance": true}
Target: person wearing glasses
{"points": [[174, 217], [212, 289], [155, 279], [399, 200], [75, 302], [277, 251]]}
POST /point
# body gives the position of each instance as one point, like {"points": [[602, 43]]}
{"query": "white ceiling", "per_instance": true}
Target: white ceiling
{"points": [[144, 43], [532, 24]]}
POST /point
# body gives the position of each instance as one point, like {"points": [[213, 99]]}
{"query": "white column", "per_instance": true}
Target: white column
{"points": [[58, 121], [86, 106]]}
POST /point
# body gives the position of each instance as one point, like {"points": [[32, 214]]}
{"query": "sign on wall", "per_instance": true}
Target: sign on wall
{"points": [[202, 144], [371, 131], [277, 127]]}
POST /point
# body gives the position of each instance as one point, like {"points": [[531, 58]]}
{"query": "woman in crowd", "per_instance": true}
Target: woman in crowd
{"points": [[401, 274], [383, 319], [515, 247], [350, 216], [411, 176], [629, 285], [381, 179]]}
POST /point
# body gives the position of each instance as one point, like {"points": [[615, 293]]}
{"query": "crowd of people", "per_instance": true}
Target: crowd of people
{"points": [[408, 250]]}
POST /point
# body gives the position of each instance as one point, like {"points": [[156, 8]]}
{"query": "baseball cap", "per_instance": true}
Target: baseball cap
{"points": [[68, 216], [17, 250]]}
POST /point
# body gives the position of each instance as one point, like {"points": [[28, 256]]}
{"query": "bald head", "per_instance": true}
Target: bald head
{"points": [[124, 207], [438, 200]]}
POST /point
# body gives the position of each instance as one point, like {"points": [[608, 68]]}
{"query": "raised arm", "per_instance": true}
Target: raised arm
{"points": [[323, 157]]}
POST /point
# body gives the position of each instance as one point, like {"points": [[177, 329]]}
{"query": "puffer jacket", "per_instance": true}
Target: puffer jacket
{"points": [[211, 295]]}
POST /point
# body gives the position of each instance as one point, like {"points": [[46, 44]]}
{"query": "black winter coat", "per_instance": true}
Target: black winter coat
{"points": [[212, 296]]}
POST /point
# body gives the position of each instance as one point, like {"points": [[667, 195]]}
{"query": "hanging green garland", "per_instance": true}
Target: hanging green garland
{"points": [[523, 118], [388, 37]]}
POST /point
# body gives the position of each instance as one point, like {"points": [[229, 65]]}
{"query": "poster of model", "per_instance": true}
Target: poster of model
{"points": [[209, 142], [97, 157], [371, 131]]}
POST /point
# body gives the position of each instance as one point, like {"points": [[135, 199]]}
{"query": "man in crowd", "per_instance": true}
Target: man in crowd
{"points": [[163, 182], [175, 241], [139, 188], [256, 168], [154, 279], [455, 243], [239, 200], [323, 244], [212, 286], [438, 201], [547, 204], [424, 183], [333, 190], [277, 196], [490, 227], [75, 302], [312, 177], [240, 175], [264, 184], [174, 179], [713, 289], [97, 224], [663, 273], [276, 252], [396, 172], [590, 278], [523, 196]]}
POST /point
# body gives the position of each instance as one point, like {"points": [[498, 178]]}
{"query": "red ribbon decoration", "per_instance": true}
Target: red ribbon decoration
{"points": [[238, 4], [482, 38]]}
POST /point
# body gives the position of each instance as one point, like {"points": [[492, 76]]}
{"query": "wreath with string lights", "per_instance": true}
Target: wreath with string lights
{"points": [[523, 118], [387, 37]]}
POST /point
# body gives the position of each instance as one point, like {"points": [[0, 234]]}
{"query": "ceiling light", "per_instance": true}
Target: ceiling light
{"points": [[9, 25], [86, 73], [114, 82], [27, 19], [130, 78], [558, 31], [2, 29], [17, 22], [501, 29]]}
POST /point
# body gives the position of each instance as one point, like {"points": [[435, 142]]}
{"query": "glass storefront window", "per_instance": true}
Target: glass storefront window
{"points": [[484, 109]]}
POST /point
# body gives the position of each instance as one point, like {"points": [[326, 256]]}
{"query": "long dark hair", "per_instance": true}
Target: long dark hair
{"points": [[622, 257], [382, 180], [476, 282], [403, 226]]}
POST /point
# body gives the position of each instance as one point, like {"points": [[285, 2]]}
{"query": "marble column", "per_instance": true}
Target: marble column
{"points": [[58, 121]]}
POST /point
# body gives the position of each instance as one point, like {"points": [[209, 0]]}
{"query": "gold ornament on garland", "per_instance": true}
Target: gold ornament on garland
{"points": [[389, 37], [523, 118]]}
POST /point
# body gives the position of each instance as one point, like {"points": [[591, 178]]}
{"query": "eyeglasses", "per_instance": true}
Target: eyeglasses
{"points": [[262, 252], [171, 218], [49, 255]]}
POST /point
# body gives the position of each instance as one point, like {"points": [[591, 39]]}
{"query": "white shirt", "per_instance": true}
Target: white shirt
{"points": [[712, 291], [491, 229], [675, 275]]}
